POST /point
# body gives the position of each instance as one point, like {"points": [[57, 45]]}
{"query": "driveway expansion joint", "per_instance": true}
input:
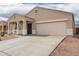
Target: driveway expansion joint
{"points": [[5, 53]]}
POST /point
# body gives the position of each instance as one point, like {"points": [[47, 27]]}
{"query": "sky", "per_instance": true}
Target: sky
{"points": [[7, 10]]}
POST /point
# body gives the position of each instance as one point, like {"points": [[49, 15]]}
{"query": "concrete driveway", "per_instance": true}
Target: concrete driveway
{"points": [[29, 46]]}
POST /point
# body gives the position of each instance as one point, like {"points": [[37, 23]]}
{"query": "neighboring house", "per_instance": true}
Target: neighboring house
{"points": [[3, 26], [42, 21]]}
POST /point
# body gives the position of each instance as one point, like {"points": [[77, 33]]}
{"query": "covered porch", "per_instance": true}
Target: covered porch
{"points": [[21, 26]]}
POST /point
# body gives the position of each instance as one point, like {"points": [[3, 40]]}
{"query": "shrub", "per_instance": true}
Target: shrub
{"points": [[2, 34]]}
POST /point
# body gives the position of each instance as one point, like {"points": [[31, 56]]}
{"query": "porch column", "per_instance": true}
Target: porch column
{"points": [[33, 27], [24, 28], [17, 27], [8, 28]]}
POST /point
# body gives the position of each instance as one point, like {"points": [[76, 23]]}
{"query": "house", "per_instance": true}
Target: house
{"points": [[42, 21], [3, 26]]}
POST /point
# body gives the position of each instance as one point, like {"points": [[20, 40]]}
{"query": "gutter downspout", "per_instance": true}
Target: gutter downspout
{"points": [[74, 29]]}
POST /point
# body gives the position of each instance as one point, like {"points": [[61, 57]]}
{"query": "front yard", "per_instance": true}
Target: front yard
{"points": [[69, 47]]}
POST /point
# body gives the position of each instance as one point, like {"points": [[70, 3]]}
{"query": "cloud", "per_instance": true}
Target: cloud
{"points": [[3, 18], [9, 9]]}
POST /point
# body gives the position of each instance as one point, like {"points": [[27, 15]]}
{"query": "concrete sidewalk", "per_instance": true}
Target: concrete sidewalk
{"points": [[30, 45]]}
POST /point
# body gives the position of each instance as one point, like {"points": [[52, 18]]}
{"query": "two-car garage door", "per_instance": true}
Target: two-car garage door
{"points": [[53, 28]]}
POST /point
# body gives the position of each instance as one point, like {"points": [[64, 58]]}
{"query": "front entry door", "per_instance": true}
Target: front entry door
{"points": [[29, 28]]}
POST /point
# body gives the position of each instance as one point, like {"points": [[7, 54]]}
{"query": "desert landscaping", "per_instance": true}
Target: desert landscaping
{"points": [[7, 37], [68, 47]]}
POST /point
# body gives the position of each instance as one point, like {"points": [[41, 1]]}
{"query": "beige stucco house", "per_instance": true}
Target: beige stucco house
{"points": [[42, 21]]}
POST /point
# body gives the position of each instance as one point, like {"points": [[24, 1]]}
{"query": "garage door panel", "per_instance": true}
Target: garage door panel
{"points": [[58, 28]]}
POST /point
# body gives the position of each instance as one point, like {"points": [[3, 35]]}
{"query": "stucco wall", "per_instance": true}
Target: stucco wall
{"points": [[48, 14], [44, 14]]}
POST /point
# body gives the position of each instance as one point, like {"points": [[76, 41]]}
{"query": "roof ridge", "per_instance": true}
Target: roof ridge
{"points": [[52, 9]]}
